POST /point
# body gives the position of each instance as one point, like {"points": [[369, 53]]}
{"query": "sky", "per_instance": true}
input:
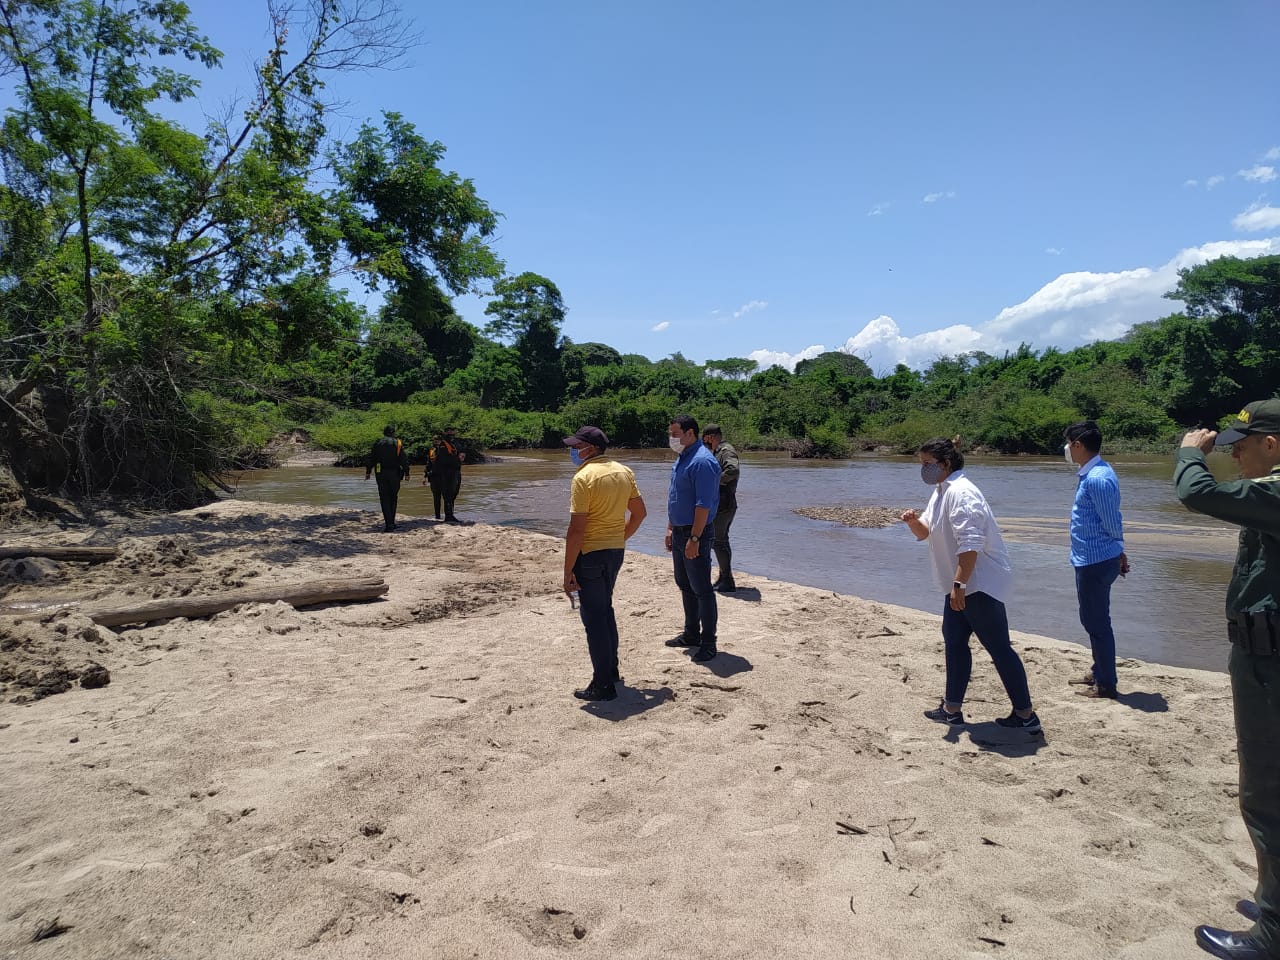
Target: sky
{"points": [[901, 180]]}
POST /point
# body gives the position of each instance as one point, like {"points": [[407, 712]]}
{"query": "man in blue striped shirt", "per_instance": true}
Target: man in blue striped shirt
{"points": [[1097, 551]]}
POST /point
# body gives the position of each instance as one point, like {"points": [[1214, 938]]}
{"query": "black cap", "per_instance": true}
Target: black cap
{"points": [[713, 429], [592, 435], [1261, 416]]}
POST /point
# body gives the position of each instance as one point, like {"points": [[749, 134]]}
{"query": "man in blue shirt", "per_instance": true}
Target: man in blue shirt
{"points": [[692, 501], [1097, 551]]}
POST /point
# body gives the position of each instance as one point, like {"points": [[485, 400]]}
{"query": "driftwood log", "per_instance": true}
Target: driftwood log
{"points": [[73, 554], [305, 594]]}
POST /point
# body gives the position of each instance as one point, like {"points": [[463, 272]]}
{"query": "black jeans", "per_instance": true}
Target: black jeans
{"points": [[984, 615], [388, 494], [724, 552], [597, 572], [693, 577], [446, 486], [1093, 591]]}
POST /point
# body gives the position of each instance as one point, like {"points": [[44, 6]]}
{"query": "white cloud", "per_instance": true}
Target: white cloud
{"points": [[1259, 174], [1191, 183], [768, 358], [1053, 251], [878, 209], [1272, 154], [940, 195], [1258, 217], [659, 327], [1068, 311], [748, 307], [1213, 181]]}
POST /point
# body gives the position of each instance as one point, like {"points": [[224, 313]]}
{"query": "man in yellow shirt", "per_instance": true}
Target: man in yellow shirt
{"points": [[605, 509]]}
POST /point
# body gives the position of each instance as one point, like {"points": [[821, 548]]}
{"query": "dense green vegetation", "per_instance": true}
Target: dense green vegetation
{"points": [[172, 299]]}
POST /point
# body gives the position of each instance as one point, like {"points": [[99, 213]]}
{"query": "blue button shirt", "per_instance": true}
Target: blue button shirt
{"points": [[695, 482], [1097, 530]]}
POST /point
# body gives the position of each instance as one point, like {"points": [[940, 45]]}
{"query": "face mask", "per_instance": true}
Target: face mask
{"points": [[575, 456], [676, 444], [931, 473], [1066, 453]]}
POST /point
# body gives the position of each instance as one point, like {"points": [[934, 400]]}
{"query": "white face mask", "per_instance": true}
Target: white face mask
{"points": [[676, 444], [1066, 453]]}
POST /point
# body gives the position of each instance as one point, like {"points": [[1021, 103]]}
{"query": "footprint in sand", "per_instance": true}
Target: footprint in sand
{"points": [[506, 840]]}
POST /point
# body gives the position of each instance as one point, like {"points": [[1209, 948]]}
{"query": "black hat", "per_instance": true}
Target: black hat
{"points": [[592, 435], [713, 429], [1261, 416]]}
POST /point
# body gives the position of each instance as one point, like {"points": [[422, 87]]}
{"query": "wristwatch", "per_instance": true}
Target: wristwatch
{"points": [[693, 539], [959, 585]]}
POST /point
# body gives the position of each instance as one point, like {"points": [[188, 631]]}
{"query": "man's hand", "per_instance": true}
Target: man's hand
{"points": [[691, 549], [668, 539], [908, 516], [1124, 565], [957, 598], [570, 582], [1203, 439]]}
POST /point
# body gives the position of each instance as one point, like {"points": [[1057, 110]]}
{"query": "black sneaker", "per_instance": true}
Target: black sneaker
{"points": [[1030, 724], [729, 587], [705, 653], [680, 640], [592, 692], [943, 715]]}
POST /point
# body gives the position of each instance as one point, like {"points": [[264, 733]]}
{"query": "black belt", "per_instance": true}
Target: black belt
{"points": [[1256, 633]]}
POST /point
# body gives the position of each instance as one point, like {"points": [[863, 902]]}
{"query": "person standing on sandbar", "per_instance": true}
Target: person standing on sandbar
{"points": [[388, 460], [692, 500]]}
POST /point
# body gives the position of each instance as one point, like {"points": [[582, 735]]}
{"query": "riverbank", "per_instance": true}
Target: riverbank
{"points": [[411, 777]]}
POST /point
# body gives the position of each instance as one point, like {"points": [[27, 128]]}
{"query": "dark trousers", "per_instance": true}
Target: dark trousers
{"points": [[984, 615], [724, 553], [445, 486], [597, 572], [1093, 591], [693, 577], [1255, 690], [388, 494]]}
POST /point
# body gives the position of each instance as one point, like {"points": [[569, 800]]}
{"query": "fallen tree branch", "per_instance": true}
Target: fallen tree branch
{"points": [[73, 554], [305, 594]]}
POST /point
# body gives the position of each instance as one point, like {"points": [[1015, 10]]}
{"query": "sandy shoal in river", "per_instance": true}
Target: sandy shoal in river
{"points": [[411, 777]]}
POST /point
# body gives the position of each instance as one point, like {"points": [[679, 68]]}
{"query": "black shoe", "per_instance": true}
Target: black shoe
{"points": [[1030, 724], [437, 516], [451, 520], [387, 528], [723, 587], [1249, 910], [592, 692], [942, 715], [680, 640], [705, 653], [1230, 945]]}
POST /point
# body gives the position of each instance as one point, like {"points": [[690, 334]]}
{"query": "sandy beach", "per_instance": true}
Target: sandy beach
{"points": [[411, 777]]}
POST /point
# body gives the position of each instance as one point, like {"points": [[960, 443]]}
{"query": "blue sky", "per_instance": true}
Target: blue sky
{"points": [[903, 180]]}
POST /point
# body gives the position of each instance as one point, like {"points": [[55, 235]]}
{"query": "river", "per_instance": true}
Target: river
{"points": [[1168, 610]]}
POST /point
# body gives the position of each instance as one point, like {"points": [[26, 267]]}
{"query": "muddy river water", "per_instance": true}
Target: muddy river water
{"points": [[1168, 610]]}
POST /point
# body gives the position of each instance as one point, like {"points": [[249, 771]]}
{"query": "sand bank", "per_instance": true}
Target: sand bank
{"points": [[411, 777]]}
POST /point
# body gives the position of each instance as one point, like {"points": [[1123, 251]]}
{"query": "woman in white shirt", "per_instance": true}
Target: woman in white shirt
{"points": [[971, 566]]}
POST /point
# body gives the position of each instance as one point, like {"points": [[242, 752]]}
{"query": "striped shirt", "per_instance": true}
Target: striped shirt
{"points": [[1097, 531]]}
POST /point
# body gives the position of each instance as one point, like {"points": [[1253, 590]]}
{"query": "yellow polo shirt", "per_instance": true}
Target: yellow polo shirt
{"points": [[602, 488]]}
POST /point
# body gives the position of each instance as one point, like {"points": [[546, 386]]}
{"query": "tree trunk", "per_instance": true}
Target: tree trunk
{"points": [[304, 594], [73, 554]]}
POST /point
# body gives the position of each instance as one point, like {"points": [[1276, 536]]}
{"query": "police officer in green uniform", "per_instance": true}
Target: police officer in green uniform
{"points": [[390, 463], [1253, 625]]}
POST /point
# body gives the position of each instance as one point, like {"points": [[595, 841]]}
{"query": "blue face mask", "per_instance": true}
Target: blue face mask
{"points": [[931, 473], [575, 456]]}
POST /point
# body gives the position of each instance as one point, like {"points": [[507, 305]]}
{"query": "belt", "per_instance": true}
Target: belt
{"points": [[1256, 633]]}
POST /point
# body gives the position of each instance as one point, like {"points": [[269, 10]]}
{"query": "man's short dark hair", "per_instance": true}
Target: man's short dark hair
{"points": [[685, 423], [389, 430], [1087, 432], [712, 430]]}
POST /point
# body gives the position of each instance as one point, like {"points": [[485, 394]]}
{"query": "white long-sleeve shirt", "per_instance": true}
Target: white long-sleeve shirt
{"points": [[959, 520]]}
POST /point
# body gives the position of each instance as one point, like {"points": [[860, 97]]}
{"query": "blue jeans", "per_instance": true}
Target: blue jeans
{"points": [[693, 577], [1093, 590], [984, 615], [597, 572]]}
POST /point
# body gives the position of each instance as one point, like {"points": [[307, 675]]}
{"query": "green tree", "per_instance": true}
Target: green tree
{"points": [[528, 312]]}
